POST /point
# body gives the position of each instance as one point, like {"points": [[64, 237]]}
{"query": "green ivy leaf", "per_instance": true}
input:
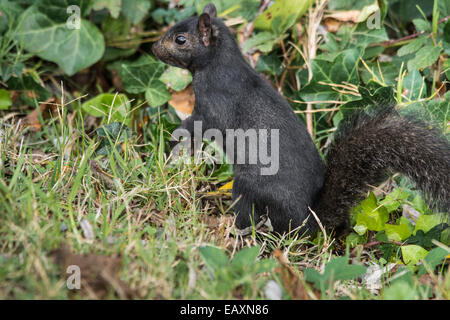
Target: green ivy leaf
{"points": [[344, 68], [367, 11], [262, 41], [5, 99], [422, 25], [348, 4], [143, 75], [157, 94], [433, 258], [397, 232], [412, 47], [136, 10], [400, 290], [389, 252], [112, 134], [214, 258], [245, 258], [108, 105], [447, 32], [52, 40], [412, 254], [401, 231], [270, 64], [372, 96], [57, 9], [394, 199], [283, 9], [7, 70], [280, 25], [414, 85], [405, 12], [117, 28], [446, 67], [10, 11], [335, 270], [363, 36], [445, 236], [444, 8], [420, 205], [425, 57], [433, 111], [371, 215], [176, 78], [113, 6], [426, 222], [28, 84], [382, 72], [360, 229], [265, 265], [354, 239], [425, 239]]}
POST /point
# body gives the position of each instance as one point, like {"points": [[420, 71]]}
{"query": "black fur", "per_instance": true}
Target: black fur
{"points": [[368, 148], [229, 94]]}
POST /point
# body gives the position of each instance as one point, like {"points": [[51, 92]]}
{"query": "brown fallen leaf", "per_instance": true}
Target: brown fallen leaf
{"points": [[32, 119], [256, 55], [335, 20], [98, 274], [14, 94], [47, 109], [290, 279], [345, 16], [333, 25], [183, 101]]}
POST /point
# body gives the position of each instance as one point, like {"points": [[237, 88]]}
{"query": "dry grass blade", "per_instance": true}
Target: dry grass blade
{"points": [[310, 47]]}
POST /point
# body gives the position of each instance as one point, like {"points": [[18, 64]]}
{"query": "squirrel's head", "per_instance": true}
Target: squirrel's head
{"points": [[189, 41]]}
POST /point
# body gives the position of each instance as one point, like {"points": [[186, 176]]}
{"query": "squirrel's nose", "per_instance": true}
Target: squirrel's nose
{"points": [[158, 49]]}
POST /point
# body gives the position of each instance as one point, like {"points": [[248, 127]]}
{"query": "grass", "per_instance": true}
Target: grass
{"points": [[139, 207], [135, 205]]}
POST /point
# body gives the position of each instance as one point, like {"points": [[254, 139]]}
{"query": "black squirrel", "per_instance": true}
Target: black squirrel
{"points": [[229, 94]]}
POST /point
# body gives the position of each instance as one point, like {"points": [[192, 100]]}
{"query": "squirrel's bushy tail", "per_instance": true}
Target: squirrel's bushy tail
{"points": [[368, 149]]}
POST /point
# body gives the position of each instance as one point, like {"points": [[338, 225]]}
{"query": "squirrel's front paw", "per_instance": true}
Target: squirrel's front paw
{"points": [[244, 225]]}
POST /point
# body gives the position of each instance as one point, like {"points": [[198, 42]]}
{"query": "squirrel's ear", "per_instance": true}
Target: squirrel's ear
{"points": [[210, 9], [204, 27]]}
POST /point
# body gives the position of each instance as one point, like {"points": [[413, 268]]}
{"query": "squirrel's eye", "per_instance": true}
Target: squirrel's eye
{"points": [[180, 40]]}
